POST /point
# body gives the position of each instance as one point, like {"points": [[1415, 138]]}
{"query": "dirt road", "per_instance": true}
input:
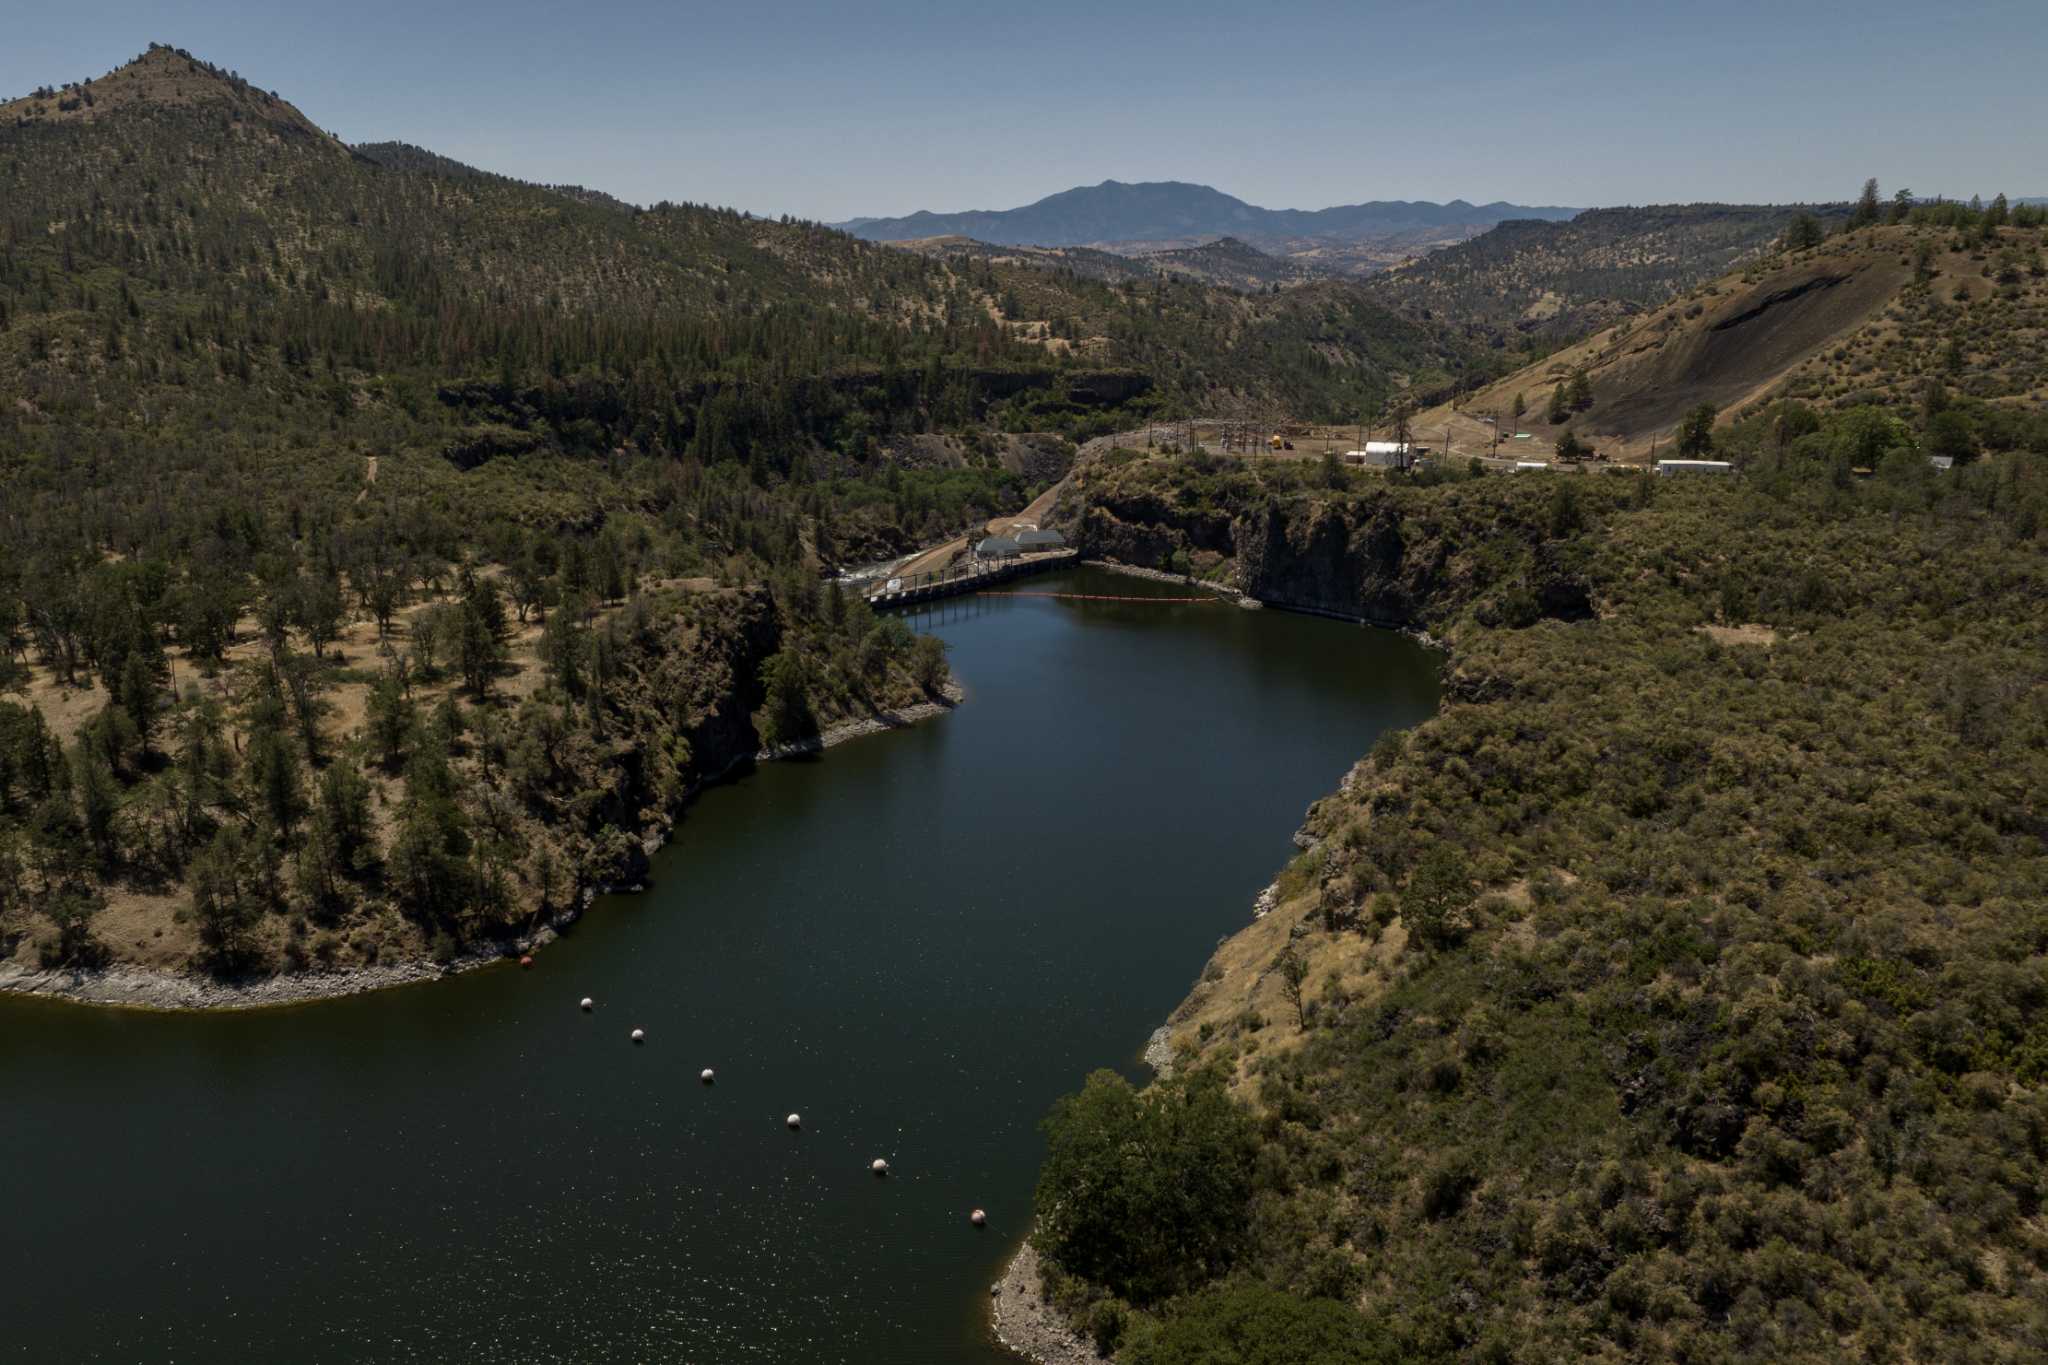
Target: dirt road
{"points": [[939, 556]]}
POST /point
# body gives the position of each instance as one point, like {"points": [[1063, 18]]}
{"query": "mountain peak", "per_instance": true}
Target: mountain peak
{"points": [[1155, 213], [161, 78]]}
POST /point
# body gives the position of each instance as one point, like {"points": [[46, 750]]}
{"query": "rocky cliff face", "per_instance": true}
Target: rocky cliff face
{"points": [[720, 687], [690, 719], [1147, 531], [1351, 560], [1382, 555]]}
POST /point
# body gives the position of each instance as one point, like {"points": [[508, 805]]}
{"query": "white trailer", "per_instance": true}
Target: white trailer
{"points": [[1384, 454]]}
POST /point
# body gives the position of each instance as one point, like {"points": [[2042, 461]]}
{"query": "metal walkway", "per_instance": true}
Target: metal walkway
{"points": [[965, 577]]}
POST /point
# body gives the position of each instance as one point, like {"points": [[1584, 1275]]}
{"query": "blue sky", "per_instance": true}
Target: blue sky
{"points": [[827, 111]]}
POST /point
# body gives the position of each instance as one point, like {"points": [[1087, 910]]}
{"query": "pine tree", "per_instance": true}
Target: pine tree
{"points": [[318, 609], [481, 634], [344, 807], [202, 771], [271, 766], [225, 900], [1802, 232], [786, 715], [1996, 216], [138, 694], [99, 798], [562, 647], [1696, 432], [390, 716]]}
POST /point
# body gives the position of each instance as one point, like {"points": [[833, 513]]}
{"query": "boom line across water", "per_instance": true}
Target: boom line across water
{"points": [[1087, 596]]}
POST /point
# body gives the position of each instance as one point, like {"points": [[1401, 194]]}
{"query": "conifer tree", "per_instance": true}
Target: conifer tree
{"points": [[1581, 393], [1696, 432]]}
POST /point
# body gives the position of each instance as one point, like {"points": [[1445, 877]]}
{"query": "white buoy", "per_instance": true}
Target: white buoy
{"points": [[795, 1121], [978, 1218], [639, 1035], [879, 1166], [587, 1004], [707, 1075]]}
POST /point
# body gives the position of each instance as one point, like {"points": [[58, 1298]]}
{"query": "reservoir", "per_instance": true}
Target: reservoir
{"points": [[917, 941]]}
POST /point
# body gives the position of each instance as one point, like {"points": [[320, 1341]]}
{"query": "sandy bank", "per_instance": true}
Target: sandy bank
{"points": [[131, 987]]}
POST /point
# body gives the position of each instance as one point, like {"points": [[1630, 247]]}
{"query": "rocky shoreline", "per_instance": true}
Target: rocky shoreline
{"points": [[128, 987], [1026, 1325], [1117, 566], [1245, 600], [1023, 1322], [880, 723]]}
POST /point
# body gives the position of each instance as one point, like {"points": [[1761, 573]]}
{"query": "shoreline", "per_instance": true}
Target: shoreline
{"points": [[1250, 603], [1117, 566], [1024, 1325], [143, 988], [1020, 1320]]}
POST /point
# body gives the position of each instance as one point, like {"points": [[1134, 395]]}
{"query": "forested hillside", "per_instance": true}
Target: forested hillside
{"points": [[1227, 262], [388, 547], [1676, 993]]}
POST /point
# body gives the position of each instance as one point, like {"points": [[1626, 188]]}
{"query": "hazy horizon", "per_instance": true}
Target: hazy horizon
{"points": [[832, 115]]}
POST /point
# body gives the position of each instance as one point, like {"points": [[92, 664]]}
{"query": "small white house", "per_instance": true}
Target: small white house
{"points": [[1942, 461], [1694, 467]]}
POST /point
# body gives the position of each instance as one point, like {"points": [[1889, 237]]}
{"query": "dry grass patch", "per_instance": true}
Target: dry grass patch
{"points": [[1750, 634], [1242, 1007]]}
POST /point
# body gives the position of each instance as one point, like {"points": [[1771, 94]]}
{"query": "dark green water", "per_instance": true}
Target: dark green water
{"points": [[917, 941]]}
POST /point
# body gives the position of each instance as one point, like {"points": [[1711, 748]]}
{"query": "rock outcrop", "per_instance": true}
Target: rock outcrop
{"points": [[1382, 555]]}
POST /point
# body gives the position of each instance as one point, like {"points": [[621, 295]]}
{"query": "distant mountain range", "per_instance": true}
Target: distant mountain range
{"points": [[1167, 214], [1168, 210]]}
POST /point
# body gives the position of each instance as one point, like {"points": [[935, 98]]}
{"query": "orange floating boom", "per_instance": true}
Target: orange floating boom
{"points": [[1089, 596]]}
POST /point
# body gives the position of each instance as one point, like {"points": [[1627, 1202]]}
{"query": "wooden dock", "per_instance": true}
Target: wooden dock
{"points": [[956, 579]]}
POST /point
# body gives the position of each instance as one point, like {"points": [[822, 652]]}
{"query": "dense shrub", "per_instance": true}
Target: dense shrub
{"points": [[1146, 1193], [1755, 1071], [1251, 1324]]}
